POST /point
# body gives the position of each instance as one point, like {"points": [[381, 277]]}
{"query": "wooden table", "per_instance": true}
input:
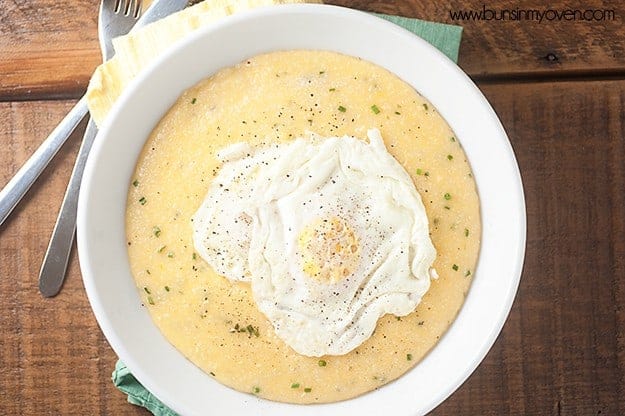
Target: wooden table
{"points": [[559, 88]]}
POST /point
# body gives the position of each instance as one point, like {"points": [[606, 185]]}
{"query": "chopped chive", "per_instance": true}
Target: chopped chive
{"points": [[446, 207], [160, 249], [251, 330], [256, 390], [322, 363], [420, 323], [167, 288], [398, 113], [156, 231], [135, 183], [447, 196], [147, 271], [425, 106], [295, 385], [409, 357], [307, 390], [450, 157], [150, 300], [211, 373], [466, 232], [322, 72], [468, 273], [332, 89], [452, 138], [419, 172], [426, 174], [342, 109], [170, 254], [142, 200], [147, 290], [455, 267], [194, 256], [375, 109], [194, 100]]}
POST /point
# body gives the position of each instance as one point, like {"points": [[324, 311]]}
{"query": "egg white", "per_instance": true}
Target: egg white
{"points": [[331, 233]]}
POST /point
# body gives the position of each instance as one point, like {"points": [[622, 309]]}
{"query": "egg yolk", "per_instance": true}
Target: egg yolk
{"points": [[328, 249]]}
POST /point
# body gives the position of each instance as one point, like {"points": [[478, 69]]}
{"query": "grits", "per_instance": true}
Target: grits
{"points": [[278, 97]]}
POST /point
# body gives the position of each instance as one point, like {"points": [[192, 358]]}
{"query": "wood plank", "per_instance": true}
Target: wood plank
{"points": [[53, 357], [49, 48], [495, 49], [562, 349]]}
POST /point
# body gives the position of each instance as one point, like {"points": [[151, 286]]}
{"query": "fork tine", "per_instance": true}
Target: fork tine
{"points": [[131, 8]]}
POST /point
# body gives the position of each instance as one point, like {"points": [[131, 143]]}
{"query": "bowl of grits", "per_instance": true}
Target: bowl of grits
{"points": [[302, 209]]}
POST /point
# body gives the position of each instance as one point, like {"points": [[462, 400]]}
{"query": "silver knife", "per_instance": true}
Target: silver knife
{"points": [[17, 187], [54, 267]]}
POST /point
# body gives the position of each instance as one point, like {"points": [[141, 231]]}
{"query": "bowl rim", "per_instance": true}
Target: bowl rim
{"points": [[93, 264]]}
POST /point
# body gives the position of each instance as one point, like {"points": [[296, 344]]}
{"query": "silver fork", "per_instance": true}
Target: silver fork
{"points": [[116, 18]]}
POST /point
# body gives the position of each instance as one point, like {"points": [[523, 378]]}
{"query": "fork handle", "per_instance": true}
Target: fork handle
{"points": [[17, 187], [54, 265]]}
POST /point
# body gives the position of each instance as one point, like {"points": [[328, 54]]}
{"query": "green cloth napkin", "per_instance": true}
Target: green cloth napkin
{"points": [[445, 38]]}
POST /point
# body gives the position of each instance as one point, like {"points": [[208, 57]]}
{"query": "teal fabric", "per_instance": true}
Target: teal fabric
{"points": [[137, 394], [444, 37]]}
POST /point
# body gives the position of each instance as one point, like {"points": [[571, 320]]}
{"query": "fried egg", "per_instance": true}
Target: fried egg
{"points": [[330, 232]]}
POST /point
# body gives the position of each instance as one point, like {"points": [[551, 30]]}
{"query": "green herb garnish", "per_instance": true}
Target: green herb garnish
{"points": [[419, 172], [468, 273], [450, 157], [142, 200], [167, 288], [194, 100], [466, 232], [375, 109], [409, 357], [307, 390], [135, 183], [455, 267], [447, 196], [425, 106], [150, 300], [147, 290], [170, 254], [295, 386], [322, 363], [156, 231], [342, 109]]}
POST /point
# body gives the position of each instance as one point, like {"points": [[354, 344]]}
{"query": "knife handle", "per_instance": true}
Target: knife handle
{"points": [[17, 187], [54, 267]]}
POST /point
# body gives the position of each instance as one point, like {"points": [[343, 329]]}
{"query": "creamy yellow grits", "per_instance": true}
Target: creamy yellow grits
{"points": [[277, 97]]}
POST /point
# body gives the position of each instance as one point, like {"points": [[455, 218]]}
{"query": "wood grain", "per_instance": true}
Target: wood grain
{"points": [[562, 350], [53, 357], [48, 49]]}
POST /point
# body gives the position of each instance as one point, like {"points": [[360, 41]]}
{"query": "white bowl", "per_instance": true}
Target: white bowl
{"points": [[101, 224]]}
